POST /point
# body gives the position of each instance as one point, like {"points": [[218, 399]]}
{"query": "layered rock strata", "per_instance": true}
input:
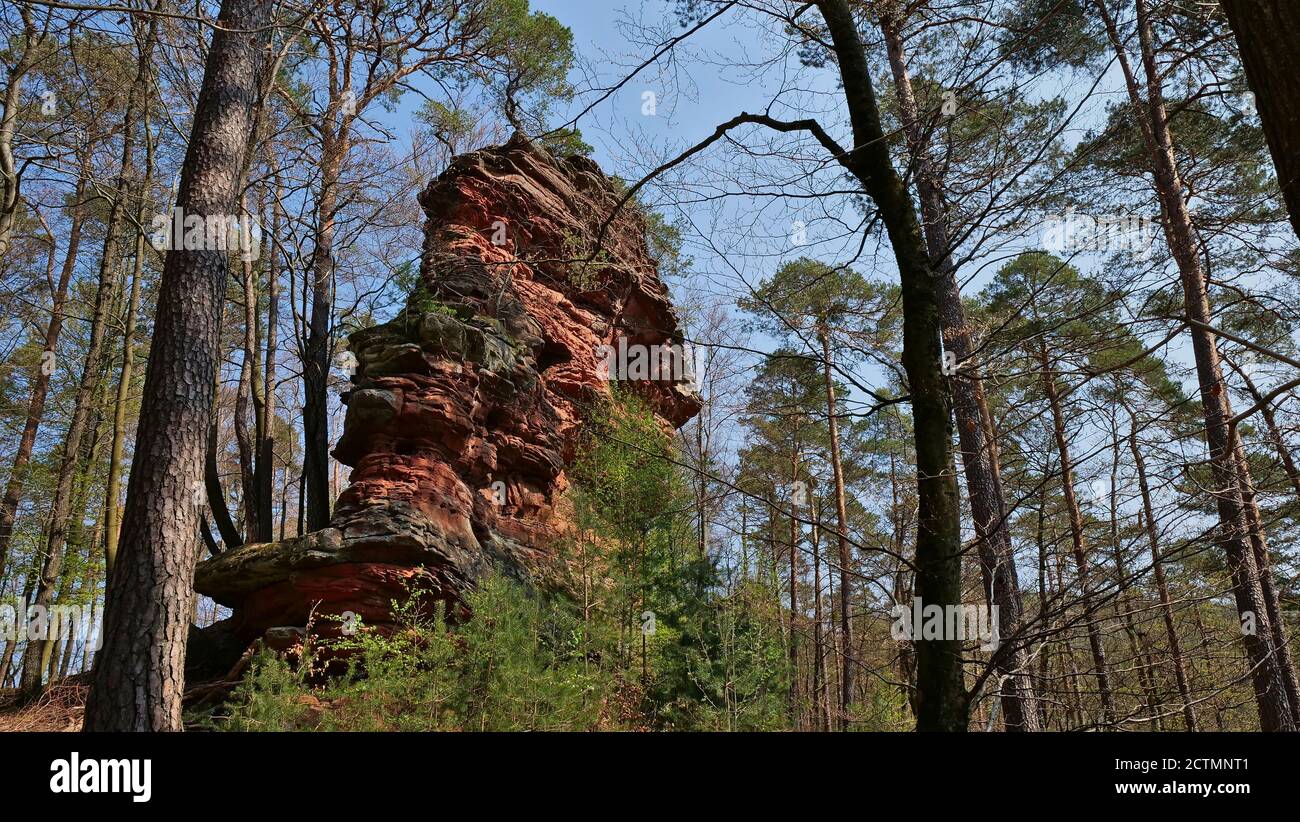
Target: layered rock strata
{"points": [[464, 410]]}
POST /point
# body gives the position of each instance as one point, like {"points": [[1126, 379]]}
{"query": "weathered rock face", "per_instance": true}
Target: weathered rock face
{"points": [[465, 409]]}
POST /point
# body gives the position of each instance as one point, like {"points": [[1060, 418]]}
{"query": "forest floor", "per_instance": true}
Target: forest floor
{"points": [[58, 708], [61, 706]]}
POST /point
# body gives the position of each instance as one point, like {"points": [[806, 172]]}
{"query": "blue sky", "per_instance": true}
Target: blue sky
{"points": [[732, 240], [695, 95]]}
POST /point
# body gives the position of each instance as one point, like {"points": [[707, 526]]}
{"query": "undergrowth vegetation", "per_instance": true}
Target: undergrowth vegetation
{"points": [[647, 637]]}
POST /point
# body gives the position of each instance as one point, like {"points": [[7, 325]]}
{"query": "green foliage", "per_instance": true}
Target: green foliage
{"points": [[1221, 154], [725, 667], [664, 241], [449, 124], [807, 300], [664, 238], [627, 481], [1041, 34], [715, 659], [883, 709], [564, 142], [1038, 293], [520, 663], [422, 301], [534, 54]]}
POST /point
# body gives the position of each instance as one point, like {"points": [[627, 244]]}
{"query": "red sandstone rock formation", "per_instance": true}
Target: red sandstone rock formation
{"points": [[464, 409]]}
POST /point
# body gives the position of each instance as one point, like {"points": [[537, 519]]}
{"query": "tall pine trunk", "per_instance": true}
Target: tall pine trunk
{"points": [[943, 701], [1078, 543], [1268, 38], [979, 455], [1275, 437], [216, 496], [264, 475], [113, 485], [1234, 531], [1268, 587], [794, 583], [55, 580], [317, 346], [250, 374], [1162, 584], [821, 683], [841, 529], [139, 677]]}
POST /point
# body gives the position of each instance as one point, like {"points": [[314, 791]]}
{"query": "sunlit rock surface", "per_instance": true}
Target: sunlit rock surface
{"points": [[465, 409]]}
